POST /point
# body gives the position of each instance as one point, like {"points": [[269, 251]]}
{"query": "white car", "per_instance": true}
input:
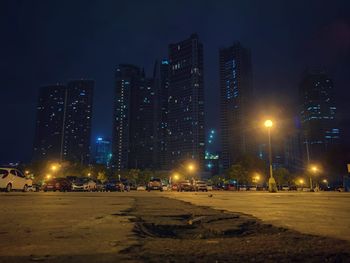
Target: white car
{"points": [[13, 179], [141, 188], [83, 184]]}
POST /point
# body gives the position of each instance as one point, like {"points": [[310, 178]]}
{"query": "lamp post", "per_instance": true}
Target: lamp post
{"points": [[301, 182], [313, 170], [272, 183]]}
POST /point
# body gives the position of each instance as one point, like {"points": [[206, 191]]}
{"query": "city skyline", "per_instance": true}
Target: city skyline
{"points": [[280, 76]]}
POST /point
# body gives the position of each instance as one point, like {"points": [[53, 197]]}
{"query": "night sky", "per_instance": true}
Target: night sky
{"points": [[45, 42]]}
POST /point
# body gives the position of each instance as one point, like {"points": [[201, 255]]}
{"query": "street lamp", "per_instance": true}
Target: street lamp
{"points": [[190, 167], [272, 183], [48, 176], [313, 170], [256, 179]]}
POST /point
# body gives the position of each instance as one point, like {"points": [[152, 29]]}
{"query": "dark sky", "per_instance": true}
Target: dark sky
{"points": [[44, 42]]}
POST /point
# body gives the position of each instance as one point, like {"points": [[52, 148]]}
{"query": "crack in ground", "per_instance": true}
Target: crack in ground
{"points": [[170, 230]]}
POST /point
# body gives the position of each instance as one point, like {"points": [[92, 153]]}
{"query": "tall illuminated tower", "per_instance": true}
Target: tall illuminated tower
{"points": [[236, 101], [186, 102], [133, 120], [320, 129]]}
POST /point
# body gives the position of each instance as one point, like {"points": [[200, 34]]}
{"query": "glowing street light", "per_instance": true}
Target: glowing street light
{"points": [[268, 123], [314, 169], [176, 176], [48, 176], [256, 179], [272, 183], [89, 174], [191, 167]]}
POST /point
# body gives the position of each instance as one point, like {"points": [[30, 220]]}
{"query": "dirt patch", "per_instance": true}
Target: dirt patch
{"points": [[170, 230]]}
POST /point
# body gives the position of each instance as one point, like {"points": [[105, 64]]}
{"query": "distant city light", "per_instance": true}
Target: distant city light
{"points": [[99, 138]]}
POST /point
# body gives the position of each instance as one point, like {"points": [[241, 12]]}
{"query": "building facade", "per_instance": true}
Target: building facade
{"points": [[320, 131], [186, 103], [161, 82], [77, 130], [50, 114], [63, 125], [134, 119], [103, 151], [236, 103]]}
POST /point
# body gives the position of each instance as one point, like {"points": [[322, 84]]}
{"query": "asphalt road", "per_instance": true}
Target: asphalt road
{"points": [[157, 227], [319, 213]]}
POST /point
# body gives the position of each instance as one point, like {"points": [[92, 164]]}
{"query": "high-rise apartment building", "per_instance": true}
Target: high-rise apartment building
{"points": [[186, 103], [161, 82], [320, 130], [77, 132], [63, 126], [48, 140], [134, 119], [236, 103], [103, 151]]}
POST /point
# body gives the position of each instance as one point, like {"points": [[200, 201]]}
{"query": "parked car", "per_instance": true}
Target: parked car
{"points": [[174, 187], [13, 179], [57, 184], [155, 184], [340, 189], [293, 188], [141, 188], [243, 188], [252, 188], [83, 184], [230, 187], [100, 187], [285, 187], [114, 185], [184, 186], [200, 186], [133, 186]]}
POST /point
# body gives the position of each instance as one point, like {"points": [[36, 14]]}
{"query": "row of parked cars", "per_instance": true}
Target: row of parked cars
{"points": [[84, 184]]}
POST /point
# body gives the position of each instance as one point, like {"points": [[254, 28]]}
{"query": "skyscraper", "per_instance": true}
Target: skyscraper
{"points": [[161, 84], [318, 115], [134, 119], [103, 151], [63, 123], [48, 140], [77, 132], [236, 98], [186, 102]]}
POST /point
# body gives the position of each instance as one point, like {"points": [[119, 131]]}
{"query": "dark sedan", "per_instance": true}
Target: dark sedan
{"points": [[58, 184]]}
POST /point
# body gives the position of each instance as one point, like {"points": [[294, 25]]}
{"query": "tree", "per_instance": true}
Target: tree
{"points": [[133, 175], [216, 180], [237, 172], [102, 176], [145, 176], [282, 176], [251, 163]]}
